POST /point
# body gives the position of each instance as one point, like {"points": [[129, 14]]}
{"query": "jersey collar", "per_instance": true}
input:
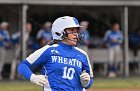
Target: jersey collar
{"points": [[66, 46]]}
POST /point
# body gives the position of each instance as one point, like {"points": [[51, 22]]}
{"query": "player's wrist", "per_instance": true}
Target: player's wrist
{"points": [[39, 80], [33, 78], [89, 84], [85, 79]]}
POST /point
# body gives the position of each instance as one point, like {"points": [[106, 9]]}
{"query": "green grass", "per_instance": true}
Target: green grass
{"points": [[132, 83], [18, 86]]}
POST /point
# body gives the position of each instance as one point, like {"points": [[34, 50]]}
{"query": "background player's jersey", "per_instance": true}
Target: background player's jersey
{"points": [[63, 64], [117, 35]]}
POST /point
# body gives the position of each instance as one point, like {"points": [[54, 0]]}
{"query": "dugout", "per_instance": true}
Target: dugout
{"points": [[98, 12]]}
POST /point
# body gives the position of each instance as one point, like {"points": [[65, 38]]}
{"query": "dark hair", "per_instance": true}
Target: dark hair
{"points": [[54, 42], [137, 30], [113, 23]]}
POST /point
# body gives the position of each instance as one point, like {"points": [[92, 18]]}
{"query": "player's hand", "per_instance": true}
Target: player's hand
{"points": [[39, 80], [114, 40], [85, 78], [1, 37]]}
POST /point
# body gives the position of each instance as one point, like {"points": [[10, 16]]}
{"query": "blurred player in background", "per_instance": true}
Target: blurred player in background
{"points": [[45, 33], [4, 43], [64, 66], [113, 38], [15, 39], [86, 37], [134, 43]]}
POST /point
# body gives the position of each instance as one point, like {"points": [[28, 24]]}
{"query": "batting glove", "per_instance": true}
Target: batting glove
{"points": [[39, 80], [85, 78]]}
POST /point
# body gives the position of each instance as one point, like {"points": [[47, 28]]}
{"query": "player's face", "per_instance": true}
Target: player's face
{"points": [[116, 27], [72, 36]]}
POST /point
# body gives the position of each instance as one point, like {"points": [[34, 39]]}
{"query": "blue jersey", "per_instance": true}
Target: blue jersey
{"points": [[44, 33], [15, 38], [86, 37], [134, 38], [5, 37], [63, 64], [117, 35]]}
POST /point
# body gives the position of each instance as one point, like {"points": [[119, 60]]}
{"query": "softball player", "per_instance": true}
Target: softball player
{"points": [[64, 66]]}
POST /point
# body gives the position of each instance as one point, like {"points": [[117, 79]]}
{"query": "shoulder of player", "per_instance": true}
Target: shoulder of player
{"points": [[5, 32], [120, 32], [109, 31], [53, 46], [80, 51], [48, 47], [42, 51]]}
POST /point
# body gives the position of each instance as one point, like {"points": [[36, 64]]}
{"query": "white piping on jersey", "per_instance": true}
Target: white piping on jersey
{"points": [[34, 56], [45, 71], [48, 86], [82, 51]]}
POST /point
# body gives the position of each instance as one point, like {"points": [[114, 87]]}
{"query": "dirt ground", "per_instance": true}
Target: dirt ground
{"points": [[114, 90]]}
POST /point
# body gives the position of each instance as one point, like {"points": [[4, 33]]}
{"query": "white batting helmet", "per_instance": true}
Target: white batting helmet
{"points": [[60, 24]]}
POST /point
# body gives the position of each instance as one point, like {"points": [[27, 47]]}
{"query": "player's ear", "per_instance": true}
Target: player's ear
{"points": [[65, 34]]}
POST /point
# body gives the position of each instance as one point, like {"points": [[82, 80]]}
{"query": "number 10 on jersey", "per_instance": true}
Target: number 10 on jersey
{"points": [[68, 73]]}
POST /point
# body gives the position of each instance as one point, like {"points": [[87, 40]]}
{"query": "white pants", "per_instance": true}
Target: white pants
{"points": [[14, 62], [2, 58], [113, 54], [49, 89]]}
